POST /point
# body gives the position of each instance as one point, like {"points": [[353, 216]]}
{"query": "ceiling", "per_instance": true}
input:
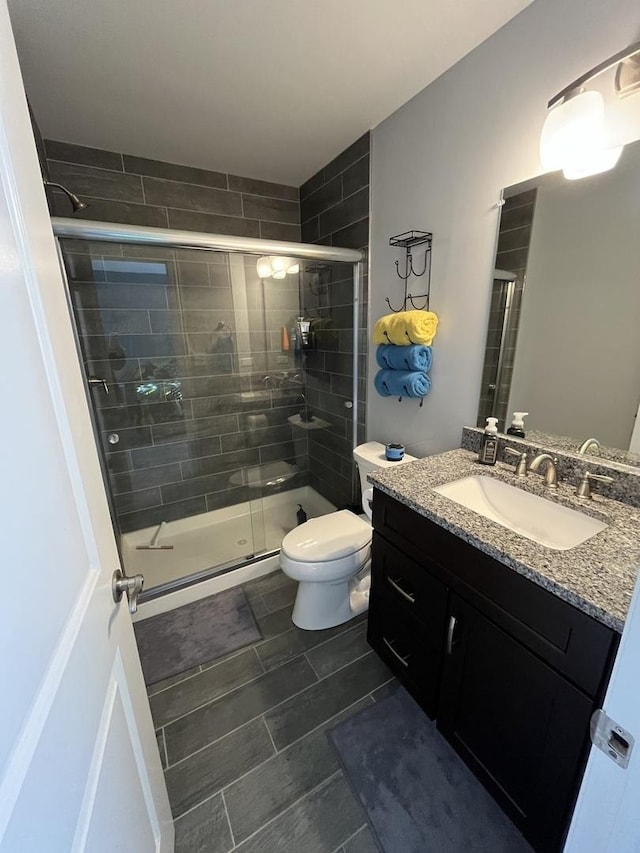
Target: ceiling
{"points": [[270, 89]]}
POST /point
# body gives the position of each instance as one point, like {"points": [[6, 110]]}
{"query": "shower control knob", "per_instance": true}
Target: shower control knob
{"points": [[113, 438], [348, 405]]}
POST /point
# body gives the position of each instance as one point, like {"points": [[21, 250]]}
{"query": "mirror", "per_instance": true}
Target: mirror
{"points": [[563, 341]]}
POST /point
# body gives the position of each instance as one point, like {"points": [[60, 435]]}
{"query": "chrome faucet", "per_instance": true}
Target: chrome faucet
{"points": [[587, 444], [551, 475], [584, 486]]}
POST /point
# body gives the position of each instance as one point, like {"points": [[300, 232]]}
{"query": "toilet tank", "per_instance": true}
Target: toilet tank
{"points": [[370, 456]]}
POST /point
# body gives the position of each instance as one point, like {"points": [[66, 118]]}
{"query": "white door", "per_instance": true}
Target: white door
{"points": [[79, 765], [607, 814]]}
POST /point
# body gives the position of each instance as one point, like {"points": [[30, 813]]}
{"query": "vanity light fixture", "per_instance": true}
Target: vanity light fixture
{"points": [[276, 266], [573, 136]]}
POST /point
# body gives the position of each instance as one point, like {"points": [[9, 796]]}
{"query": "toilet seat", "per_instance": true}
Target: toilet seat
{"points": [[329, 548], [331, 537], [325, 570]]}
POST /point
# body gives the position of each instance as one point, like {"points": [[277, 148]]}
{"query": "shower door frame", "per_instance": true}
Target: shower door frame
{"points": [[109, 232]]}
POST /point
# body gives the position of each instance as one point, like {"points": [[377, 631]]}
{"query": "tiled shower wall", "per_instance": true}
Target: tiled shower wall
{"points": [[137, 191], [178, 458], [334, 206], [188, 411], [133, 190], [513, 249]]}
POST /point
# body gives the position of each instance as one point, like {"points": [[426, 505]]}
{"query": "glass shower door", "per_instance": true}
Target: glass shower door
{"points": [[223, 400], [159, 342]]}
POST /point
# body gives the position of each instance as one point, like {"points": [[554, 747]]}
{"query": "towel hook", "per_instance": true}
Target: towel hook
{"points": [[420, 404]]}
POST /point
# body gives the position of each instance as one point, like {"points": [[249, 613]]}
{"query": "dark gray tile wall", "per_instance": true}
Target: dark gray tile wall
{"points": [[334, 205], [189, 404], [513, 248], [137, 191], [173, 462]]}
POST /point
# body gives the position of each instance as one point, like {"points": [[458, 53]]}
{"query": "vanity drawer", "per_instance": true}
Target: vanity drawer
{"points": [[405, 582], [411, 650], [412, 533]]}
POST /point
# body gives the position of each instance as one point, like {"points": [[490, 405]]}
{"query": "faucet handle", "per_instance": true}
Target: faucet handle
{"points": [[584, 486], [521, 467]]}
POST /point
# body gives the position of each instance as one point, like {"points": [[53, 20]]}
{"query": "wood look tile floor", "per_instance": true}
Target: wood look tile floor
{"points": [[243, 741]]}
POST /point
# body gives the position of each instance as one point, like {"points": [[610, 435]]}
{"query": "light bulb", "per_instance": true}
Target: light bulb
{"points": [[278, 264], [573, 132], [279, 273], [293, 269], [264, 268], [599, 161]]}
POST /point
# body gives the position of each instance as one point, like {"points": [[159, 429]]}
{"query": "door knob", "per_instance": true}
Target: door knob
{"points": [[131, 585]]}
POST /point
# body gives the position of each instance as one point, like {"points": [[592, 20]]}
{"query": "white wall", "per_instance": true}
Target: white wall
{"points": [[577, 366], [439, 164]]}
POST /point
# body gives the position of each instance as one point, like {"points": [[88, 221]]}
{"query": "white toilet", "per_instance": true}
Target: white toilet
{"points": [[330, 556]]}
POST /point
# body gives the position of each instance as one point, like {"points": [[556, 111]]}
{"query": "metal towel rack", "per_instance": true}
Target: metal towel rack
{"points": [[408, 241]]}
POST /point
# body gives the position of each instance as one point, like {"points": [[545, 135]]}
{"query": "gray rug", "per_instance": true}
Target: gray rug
{"points": [[196, 633], [418, 794]]}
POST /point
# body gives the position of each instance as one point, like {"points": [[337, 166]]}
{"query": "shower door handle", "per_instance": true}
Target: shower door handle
{"points": [[132, 586], [97, 380]]}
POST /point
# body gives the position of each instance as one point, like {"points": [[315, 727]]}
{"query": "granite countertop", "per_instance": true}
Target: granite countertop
{"points": [[598, 576]]}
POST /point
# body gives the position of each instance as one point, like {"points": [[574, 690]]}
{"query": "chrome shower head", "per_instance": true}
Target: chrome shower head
{"points": [[73, 198]]}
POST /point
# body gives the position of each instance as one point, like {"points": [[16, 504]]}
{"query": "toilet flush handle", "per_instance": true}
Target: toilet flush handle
{"points": [[367, 501]]}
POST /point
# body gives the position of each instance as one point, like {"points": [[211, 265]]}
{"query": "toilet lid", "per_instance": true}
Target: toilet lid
{"points": [[327, 538]]}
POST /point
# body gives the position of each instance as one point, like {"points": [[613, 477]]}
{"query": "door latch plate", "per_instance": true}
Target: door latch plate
{"points": [[611, 738]]}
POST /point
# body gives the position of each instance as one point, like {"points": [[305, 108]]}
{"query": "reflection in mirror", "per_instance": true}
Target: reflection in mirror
{"points": [[563, 340]]}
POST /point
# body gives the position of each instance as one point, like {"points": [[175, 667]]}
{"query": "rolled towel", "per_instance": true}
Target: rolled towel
{"points": [[402, 383], [414, 357], [405, 328]]}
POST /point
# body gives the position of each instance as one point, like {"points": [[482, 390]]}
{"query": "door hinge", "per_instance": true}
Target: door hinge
{"points": [[611, 738]]}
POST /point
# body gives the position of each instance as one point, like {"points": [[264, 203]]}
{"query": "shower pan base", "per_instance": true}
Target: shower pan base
{"points": [[221, 538]]}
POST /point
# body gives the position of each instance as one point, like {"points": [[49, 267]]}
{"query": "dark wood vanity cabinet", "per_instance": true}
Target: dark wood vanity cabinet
{"points": [[510, 672]]}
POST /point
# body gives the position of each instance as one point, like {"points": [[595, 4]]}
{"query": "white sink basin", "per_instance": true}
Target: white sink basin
{"points": [[543, 521]]}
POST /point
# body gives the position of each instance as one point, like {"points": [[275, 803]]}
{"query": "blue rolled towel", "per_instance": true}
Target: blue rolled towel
{"points": [[414, 357], [402, 383]]}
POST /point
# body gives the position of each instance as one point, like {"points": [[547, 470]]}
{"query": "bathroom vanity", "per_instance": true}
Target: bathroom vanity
{"points": [[506, 643]]}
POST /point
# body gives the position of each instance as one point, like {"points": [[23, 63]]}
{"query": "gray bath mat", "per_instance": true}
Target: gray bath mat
{"points": [[418, 794], [195, 633]]}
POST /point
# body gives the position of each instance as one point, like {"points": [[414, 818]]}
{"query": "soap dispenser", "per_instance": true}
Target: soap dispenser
{"points": [[517, 425], [489, 448]]}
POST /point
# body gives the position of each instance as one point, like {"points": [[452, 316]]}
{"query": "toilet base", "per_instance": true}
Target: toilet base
{"points": [[327, 604]]}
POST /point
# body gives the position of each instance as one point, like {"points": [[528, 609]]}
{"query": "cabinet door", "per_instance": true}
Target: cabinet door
{"points": [[521, 727]]}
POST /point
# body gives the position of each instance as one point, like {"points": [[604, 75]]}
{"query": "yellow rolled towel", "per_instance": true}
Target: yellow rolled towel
{"points": [[406, 328]]}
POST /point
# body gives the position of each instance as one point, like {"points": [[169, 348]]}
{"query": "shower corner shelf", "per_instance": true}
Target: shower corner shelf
{"points": [[408, 240]]}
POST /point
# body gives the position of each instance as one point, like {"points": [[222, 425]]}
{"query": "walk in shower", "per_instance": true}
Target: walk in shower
{"points": [[223, 379]]}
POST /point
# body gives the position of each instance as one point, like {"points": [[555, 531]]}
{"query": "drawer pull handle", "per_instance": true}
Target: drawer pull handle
{"points": [[450, 631], [409, 596], [403, 661]]}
